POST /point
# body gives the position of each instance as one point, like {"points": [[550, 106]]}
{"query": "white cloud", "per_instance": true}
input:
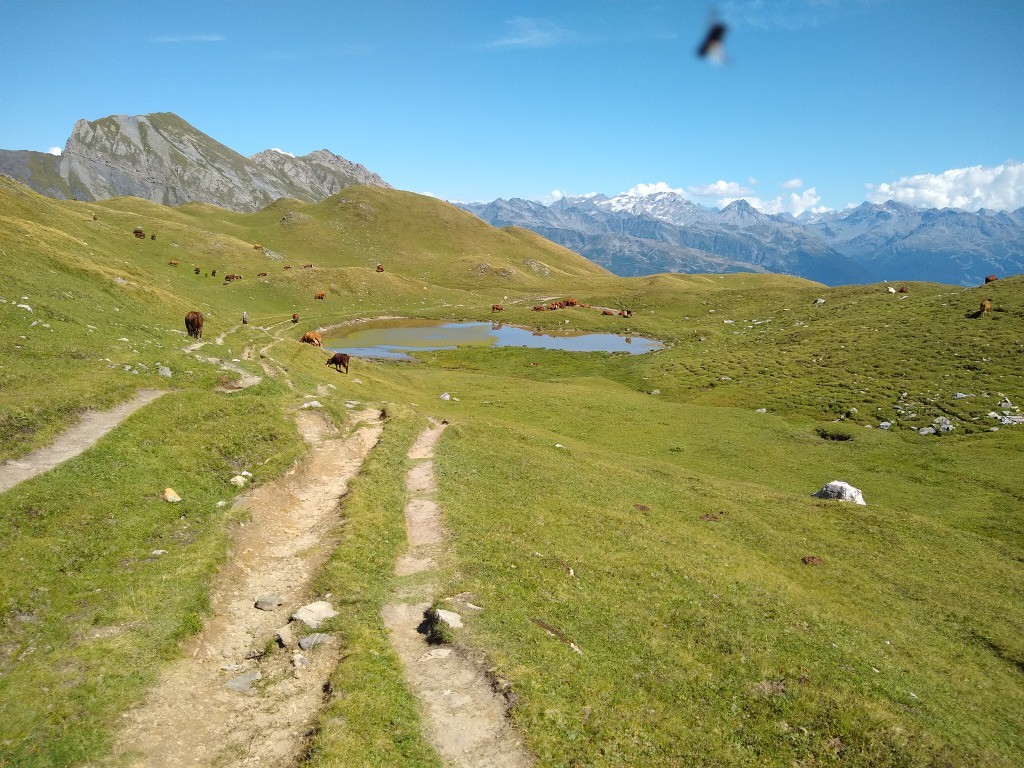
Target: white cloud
{"points": [[719, 188], [558, 194], [55, 151], [1001, 188], [795, 204], [189, 39], [641, 190], [792, 184], [529, 33], [281, 152]]}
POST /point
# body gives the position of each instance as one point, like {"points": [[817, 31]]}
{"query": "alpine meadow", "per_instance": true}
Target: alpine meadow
{"points": [[631, 541]]}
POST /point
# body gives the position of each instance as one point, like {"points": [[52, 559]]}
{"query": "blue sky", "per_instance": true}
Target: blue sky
{"points": [[474, 99]]}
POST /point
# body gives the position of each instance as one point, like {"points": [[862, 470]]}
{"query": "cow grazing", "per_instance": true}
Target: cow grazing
{"points": [[295, 318], [287, 267], [261, 274], [339, 360], [626, 312], [257, 247], [312, 337], [380, 267], [903, 289], [497, 308], [139, 233], [307, 266], [194, 324], [174, 263], [320, 296], [152, 237], [985, 308], [607, 312], [196, 270], [990, 279], [538, 309]]}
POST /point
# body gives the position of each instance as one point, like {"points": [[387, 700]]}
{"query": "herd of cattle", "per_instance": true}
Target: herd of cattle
{"points": [[562, 304]]}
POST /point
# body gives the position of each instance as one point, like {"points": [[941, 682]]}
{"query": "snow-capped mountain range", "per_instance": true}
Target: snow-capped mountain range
{"points": [[633, 234]]}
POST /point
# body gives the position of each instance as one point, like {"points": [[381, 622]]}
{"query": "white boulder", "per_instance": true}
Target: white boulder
{"points": [[841, 491]]}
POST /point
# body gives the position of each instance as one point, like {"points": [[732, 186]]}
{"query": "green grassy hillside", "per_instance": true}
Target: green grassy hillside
{"points": [[682, 511]]}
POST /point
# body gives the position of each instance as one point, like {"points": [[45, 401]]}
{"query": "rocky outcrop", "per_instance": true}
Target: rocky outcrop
{"points": [[162, 158]]}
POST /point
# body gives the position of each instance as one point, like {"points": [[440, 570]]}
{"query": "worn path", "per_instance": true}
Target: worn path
{"points": [[236, 698], [86, 433], [464, 717]]}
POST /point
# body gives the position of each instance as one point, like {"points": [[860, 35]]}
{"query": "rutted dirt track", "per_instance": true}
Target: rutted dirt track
{"points": [[190, 718], [464, 717]]}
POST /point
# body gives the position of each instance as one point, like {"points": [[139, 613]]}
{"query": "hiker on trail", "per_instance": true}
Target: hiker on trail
{"points": [[245, 318]]}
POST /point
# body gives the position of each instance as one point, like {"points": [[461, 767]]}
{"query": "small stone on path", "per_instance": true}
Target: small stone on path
{"points": [[314, 614], [450, 618], [269, 602], [315, 639], [243, 683]]}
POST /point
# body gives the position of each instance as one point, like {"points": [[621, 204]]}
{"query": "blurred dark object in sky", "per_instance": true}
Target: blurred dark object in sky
{"points": [[712, 47]]}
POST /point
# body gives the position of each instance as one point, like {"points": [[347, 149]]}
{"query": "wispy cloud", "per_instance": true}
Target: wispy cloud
{"points": [[189, 39], [784, 14], [792, 184], [527, 32], [719, 188], [1001, 188], [55, 151]]}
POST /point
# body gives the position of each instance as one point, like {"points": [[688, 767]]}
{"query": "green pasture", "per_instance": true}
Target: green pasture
{"points": [[638, 507]]}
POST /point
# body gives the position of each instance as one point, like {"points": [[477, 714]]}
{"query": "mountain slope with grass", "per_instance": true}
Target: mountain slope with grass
{"points": [[654, 511]]}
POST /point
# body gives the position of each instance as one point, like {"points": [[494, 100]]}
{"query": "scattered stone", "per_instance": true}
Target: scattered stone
{"points": [[559, 445], [761, 410], [232, 668], [25, 306], [926, 431], [311, 404], [170, 495], [164, 371], [314, 614], [1006, 403], [158, 552], [315, 639], [238, 481], [885, 425], [445, 396], [841, 491], [450, 618], [269, 602], [890, 289], [357, 381], [818, 302], [943, 425], [961, 395], [220, 504], [246, 473], [655, 391], [243, 683], [299, 661]]}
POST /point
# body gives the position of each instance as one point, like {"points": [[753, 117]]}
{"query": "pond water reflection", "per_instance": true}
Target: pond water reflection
{"points": [[393, 339]]}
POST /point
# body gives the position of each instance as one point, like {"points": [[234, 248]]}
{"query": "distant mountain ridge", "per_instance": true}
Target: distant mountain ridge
{"points": [[634, 235], [162, 158]]}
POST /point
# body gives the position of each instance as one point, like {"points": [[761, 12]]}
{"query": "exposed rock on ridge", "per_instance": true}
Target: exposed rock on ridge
{"points": [[162, 158]]}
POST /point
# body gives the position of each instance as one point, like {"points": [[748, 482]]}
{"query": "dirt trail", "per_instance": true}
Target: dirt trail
{"points": [[464, 717], [194, 716], [85, 434]]}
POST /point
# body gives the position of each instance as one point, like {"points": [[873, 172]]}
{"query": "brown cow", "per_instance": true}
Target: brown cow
{"points": [[320, 296], [152, 237], [174, 263], [194, 324], [287, 267], [380, 267], [312, 337], [339, 359], [261, 274], [903, 289], [538, 309], [990, 279], [607, 312], [196, 270], [626, 312], [307, 266], [295, 318], [986, 306], [139, 233], [497, 308], [257, 247]]}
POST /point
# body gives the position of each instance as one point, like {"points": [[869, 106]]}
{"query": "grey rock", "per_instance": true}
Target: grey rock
{"points": [[314, 614], [284, 636], [885, 425], [926, 431], [269, 602], [450, 618], [243, 683], [315, 639], [818, 302], [841, 491], [311, 404], [164, 371], [761, 410]]}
